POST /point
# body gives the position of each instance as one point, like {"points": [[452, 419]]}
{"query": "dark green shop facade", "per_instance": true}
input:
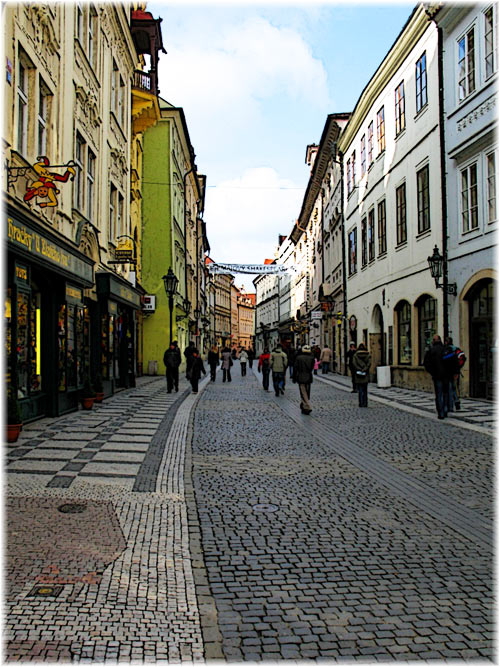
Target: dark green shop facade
{"points": [[63, 322]]}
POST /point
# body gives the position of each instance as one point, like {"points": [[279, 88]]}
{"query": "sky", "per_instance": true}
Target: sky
{"points": [[256, 83]]}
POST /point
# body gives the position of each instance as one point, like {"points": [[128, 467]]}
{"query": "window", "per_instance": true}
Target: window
{"points": [[371, 235], [78, 181], [79, 22], [427, 325], [353, 252], [364, 255], [370, 143], [469, 198], [114, 88], [22, 109], [404, 332], [491, 187], [119, 216], [112, 209], [121, 102], [466, 65], [399, 95], [424, 220], [490, 46], [421, 82], [382, 228], [90, 184], [92, 38], [42, 119], [401, 214], [363, 156], [381, 131]]}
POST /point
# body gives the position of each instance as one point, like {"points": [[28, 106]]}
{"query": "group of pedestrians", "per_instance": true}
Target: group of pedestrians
{"points": [[443, 362]]}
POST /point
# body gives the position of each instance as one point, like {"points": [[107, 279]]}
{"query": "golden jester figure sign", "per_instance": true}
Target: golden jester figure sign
{"points": [[43, 188]]}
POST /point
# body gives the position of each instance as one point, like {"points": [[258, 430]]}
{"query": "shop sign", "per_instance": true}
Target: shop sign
{"points": [[113, 307], [22, 275], [22, 236], [124, 293], [316, 315], [73, 294], [124, 252]]}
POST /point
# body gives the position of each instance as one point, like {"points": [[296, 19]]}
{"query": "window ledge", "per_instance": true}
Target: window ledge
{"points": [[380, 155], [423, 235], [382, 255], [421, 112], [400, 134], [401, 246]]}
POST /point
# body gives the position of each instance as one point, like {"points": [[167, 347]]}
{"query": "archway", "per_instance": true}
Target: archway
{"points": [[377, 338], [481, 300]]}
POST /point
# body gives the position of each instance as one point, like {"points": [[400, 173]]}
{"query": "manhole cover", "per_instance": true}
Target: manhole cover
{"points": [[72, 508], [45, 591], [265, 507]]}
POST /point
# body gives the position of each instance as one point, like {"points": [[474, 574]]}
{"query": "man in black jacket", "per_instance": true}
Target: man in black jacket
{"points": [[436, 365], [197, 368], [303, 375], [172, 361], [188, 353]]}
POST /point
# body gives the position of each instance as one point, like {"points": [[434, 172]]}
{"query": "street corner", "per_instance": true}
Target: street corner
{"points": [[62, 541]]}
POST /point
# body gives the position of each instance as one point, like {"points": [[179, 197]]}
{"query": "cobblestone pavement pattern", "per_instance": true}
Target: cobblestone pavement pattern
{"points": [[227, 525], [314, 554]]}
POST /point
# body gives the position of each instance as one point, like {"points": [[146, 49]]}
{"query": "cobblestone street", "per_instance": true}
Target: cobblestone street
{"points": [[227, 525]]}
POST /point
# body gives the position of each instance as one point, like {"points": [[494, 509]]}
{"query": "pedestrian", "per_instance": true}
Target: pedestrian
{"points": [[361, 362], [226, 364], [251, 357], [243, 357], [264, 366], [234, 354], [303, 376], [197, 368], [454, 389], [435, 365], [188, 353], [350, 354], [291, 354], [172, 360], [213, 361], [317, 354], [325, 359], [278, 362]]}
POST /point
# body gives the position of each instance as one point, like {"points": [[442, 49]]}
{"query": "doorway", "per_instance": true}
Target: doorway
{"points": [[482, 340]]}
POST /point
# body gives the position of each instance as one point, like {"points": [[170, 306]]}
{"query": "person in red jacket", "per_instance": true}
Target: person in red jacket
{"points": [[264, 366]]}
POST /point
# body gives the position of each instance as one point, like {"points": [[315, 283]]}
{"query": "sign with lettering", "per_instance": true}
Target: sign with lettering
{"points": [[22, 276], [73, 294], [24, 237], [260, 269]]}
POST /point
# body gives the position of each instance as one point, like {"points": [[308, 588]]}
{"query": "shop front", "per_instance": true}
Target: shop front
{"points": [[119, 307], [47, 325]]}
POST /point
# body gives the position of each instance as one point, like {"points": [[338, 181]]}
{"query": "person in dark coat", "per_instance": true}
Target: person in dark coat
{"points": [[188, 353], [213, 362], [197, 368], [303, 376], [226, 364], [251, 357], [291, 353], [361, 362], [441, 375], [350, 354], [172, 360], [265, 367]]}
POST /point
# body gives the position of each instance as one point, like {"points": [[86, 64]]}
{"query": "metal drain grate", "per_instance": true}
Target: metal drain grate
{"points": [[265, 507], [45, 591], [72, 508]]}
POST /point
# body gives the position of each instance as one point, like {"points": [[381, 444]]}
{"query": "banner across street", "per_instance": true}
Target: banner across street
{"points": [[250, 268]]}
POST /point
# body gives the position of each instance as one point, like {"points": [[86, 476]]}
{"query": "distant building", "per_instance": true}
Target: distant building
{"points": [[246, 319]]}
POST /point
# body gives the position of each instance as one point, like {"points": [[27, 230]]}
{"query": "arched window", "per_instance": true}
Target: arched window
{"points": [[427, 324], [403, 310]]}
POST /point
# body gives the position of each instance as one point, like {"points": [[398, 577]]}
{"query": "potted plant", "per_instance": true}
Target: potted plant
{"points": [[98, 388], [88, 394], [14, 421]]}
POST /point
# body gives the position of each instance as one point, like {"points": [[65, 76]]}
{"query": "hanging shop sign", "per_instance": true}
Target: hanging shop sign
{"points": [[125, 251], [23, 237], [316, 315], [43, 190], [259, 269]]}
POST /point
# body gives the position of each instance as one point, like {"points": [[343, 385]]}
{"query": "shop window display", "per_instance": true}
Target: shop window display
{"points": [[61, 334]]}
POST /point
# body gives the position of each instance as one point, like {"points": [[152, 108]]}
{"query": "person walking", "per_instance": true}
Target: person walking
{"points": [[172, 360], [454, 388], [251, 357], [226, 364], [361, 362], [291, 354], [188, 353], [350, 354], [278, 362], [263, 366], [213, 361], [325, 359], [303, 376], [197, 368], [434, 364], [317, 354], [243, 357]]}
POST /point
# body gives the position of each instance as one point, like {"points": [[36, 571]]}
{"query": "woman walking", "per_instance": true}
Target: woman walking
{"points": [[197, 368], [227, 362], [213, 362], [243, 361], [361, 362], [264, 366]]}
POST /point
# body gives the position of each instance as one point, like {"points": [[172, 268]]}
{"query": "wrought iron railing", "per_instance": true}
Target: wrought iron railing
{"points": [[143, 81]]}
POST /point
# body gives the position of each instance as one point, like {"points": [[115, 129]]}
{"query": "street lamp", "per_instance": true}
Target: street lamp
{"points": [[197, 314], [186, 305], [435, 262], [170, 281]]}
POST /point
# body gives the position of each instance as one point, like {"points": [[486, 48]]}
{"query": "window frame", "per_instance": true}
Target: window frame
{"points": [[91, 164], [362, 151], [113, 194], [399, 107], [42, 118], [22, 96], [381, 130], [400, 308], [382, 227], [370, 144], [467, 82], [401, 216], [364, 242], [79, 182], [421, 82], [490, 53], [371, 234], [422, 317], [423, 201], [353, 251], [491, 180], [469, 189]]}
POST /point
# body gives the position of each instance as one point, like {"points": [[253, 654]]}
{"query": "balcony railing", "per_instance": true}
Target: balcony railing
{"points": [[143, 81]]}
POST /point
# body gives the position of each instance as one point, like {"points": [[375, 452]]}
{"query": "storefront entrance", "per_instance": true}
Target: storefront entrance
{"points": [[482, 339]]}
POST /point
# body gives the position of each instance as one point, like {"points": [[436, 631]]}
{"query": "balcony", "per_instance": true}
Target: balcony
{"points": [[145, 109], [143, 81]]}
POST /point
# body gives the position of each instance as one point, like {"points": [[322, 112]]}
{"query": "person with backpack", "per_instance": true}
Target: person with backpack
{"points": [[361, 362], [454, 390], [264, 366], [278, 363], [441, 370]]}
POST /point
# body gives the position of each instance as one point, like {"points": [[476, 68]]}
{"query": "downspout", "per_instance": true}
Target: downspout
{"points": [[444, 203], [344, 273], [185, 241]]}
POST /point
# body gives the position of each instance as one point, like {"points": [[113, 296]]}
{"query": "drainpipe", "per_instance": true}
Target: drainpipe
{"points": [[444, 203], [185, 241]]}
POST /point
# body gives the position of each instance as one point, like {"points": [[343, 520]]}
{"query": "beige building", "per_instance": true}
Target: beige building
{"points": [[246, 320]]}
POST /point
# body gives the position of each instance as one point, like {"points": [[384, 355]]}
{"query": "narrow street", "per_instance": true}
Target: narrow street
{"points": [[227, 525]]}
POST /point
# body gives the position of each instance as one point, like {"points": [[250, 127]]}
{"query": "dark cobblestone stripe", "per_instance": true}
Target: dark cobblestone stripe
{"points": [[148, 472], [456, 516]]}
